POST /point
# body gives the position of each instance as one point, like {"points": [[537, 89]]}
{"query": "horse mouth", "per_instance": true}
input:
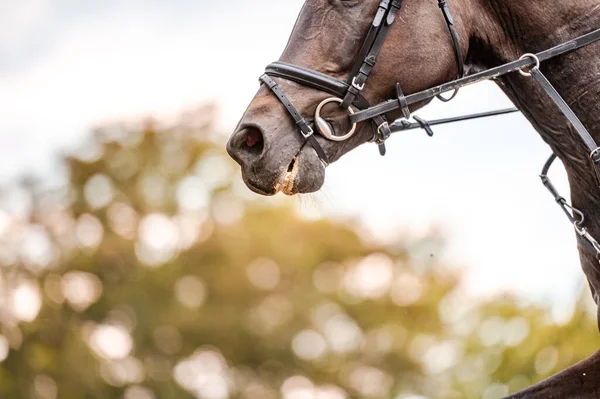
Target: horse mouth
{"points": [[288, 178], [304, 173]]}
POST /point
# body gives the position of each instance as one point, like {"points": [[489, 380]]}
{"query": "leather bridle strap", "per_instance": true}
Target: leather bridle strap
{"points": [[386, 14], [306, 131], [336, 87], [455, 43], [392, 105], [309, 77], [403, 124], [586, 137]]}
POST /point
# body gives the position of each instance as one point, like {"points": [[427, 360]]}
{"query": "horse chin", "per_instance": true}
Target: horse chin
{"points": [[304, 174]]}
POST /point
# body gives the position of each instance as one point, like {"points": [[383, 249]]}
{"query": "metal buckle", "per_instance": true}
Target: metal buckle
{"points": [[324, 128], [310, 132], [382, 137], [594, 153], [583, 232], [571, 210], [356, 85]]}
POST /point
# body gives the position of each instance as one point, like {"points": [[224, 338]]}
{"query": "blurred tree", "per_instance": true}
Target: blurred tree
{"points": [[154, 274]]}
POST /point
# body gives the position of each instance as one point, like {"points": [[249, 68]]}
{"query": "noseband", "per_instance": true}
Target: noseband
{"points": [[348, 93]]}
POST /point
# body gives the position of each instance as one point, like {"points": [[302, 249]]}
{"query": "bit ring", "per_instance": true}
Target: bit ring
{"points": [[324, 128]]}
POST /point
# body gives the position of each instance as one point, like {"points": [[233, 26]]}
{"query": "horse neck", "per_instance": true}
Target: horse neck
{"points": [[503, 30]]}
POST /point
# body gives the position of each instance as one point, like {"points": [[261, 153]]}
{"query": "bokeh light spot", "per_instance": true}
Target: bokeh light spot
{"points": [[192, 195], [264, 274], [37, 250], [89, 231], [123, 372], [371, 277], [515, 331], [495, 391], [546, 360], [139, 392], [26, 301], [370, 381], [309, 345], [81, 290], [191, 291], [111, 342], [215, 170], [204, 374], [407, 289], [491, 331], [343, 334], [154, 189], [98, 191], [123, 220], [158, 240]]}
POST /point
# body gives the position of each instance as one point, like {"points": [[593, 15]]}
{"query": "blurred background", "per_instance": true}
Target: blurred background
{"points": [[135, 264]]}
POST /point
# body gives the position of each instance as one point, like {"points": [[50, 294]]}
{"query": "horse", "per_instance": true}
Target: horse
{"points": [[356, 43]]}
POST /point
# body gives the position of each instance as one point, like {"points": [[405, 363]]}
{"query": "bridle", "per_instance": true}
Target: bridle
{"points": [[348, 94]]}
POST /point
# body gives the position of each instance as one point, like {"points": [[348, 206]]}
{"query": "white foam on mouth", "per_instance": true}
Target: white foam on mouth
{"points": [[286, 182]]}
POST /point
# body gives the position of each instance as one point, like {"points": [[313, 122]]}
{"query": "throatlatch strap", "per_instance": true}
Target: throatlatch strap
{"points": [[306, 131], [455, 43]]}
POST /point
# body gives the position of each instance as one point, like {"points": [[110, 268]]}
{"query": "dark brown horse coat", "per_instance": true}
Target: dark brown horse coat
{"points": [[419, 54]]}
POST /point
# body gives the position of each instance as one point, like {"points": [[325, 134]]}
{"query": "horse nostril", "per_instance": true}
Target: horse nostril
{"points": [[252, 141], [246, 145], [253, 138]]}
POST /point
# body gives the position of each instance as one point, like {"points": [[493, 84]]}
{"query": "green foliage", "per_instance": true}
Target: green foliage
{"points": [[157, 279]]}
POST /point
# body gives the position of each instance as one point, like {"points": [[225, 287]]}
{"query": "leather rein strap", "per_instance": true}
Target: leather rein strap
{"points": [[586, 137], [392, 105]]}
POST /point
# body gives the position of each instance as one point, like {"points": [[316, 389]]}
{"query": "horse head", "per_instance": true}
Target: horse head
{"points": [[328, 38]]}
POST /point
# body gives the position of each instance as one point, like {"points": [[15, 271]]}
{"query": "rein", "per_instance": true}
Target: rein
{"points": [[348, 93], [514, 66]]}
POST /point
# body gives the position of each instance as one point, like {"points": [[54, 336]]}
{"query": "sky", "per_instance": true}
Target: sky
{"points": [[67, 65]]}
